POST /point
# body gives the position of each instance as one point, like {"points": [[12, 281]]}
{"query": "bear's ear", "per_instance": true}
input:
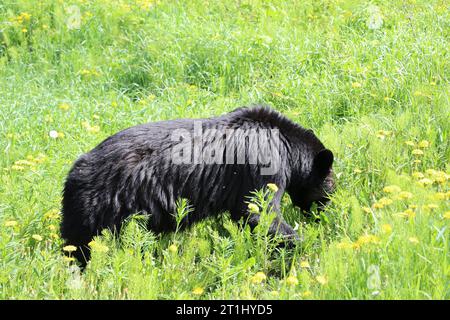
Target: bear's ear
{"points": [[322, 162]]}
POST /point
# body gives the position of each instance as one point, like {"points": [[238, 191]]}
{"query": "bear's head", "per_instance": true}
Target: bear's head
{"points": [[316, 185]]}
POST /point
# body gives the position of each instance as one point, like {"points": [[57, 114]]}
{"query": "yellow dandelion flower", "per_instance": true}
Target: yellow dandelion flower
{"points": [[425, 182], [405, 195], [258, 278], [417, 161], [410, 143], [69, 259], [386, 228], [356, 85], [54, 236], [37, 237], [322, 280], [431, 206], [418, 175], [357, 171], [52, 214], [69, 248], [173, 248], [413, 240], [392, 189], [64, 106], [345, 245], [306, 294], [446, 215], [198, 291], [17, 168], [382, 203], [272, 187], [367, 239], [253, 208], [10, 223], [51, 227], [292, 280], [366, 209], [417, 152], [424, 144], [408, 213], [24, 30], [440, 196]]}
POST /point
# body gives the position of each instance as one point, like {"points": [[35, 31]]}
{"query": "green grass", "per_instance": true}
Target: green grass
{"points": [[365, 92]]}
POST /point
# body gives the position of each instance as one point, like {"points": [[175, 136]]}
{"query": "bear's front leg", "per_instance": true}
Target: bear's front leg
{"points": [[278, 227]]}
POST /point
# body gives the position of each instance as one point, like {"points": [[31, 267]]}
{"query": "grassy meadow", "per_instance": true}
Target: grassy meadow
{"points": [[371, 78]]}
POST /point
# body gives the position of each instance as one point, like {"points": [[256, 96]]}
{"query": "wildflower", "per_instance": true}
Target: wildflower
{"points": [[417, 152], [322, 280], [55, 134], [69, 248], [258, 277], [304, 264], [24, 16], [173, 248], [410, 143], [89, 128], [431, 206], [69, 259], [306, 294], [54, 236], [274, 293], [381, 134], [418, 175], [64, 106], [417, 161], [375, 19], [424, 144], [366, 209], [345, 245], [405, 195], [10, 223], [392, 189], [24, 30], [52, 214], [51, 227], [356, 85], [382, 203], [292, 280], [366, 239], [408, 213], [441, 196], [425, 182], [272, 187], [17, 168], [357, 171], [37, 237], [253, 208], [446, 215], [198, 291], [386, 228], [413, 240], [97, 246]]}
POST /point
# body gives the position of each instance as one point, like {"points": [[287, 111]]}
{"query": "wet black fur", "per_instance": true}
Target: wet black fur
{"points": [[132, 172]]}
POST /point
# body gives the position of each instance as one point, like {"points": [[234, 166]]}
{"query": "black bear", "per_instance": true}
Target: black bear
{"points": [[215, 163]]}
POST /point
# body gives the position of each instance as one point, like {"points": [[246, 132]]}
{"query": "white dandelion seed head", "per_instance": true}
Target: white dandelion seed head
{"points": [[375, 19], [53, 134]]}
